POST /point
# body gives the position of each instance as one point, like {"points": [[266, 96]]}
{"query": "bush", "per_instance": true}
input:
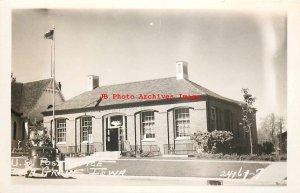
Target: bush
{"points": [[201, 139], [267, 147], [214, 142], [283, 157], [205, 155], [254, 157]]}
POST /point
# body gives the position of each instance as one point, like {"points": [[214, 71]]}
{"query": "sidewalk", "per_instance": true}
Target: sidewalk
{"points": [[276, 173]]}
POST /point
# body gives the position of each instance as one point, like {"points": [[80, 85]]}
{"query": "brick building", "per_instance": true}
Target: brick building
{"points": [[153, 115]]}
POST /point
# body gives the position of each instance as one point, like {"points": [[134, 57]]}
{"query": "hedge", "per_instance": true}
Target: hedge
{"points": [[242, 157]]}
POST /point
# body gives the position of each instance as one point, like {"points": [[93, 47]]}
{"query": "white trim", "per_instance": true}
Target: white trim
{"points": [[61, 143], [183, 138], [86, 142], [148, 139]]}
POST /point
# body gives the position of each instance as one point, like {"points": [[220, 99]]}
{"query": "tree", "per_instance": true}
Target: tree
{"points": [[271, 127], [248, 114], [38, 135]]}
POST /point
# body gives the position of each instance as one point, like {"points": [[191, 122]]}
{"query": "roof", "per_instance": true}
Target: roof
{"points": [[163, 86], [24, 96], [16, 93]]}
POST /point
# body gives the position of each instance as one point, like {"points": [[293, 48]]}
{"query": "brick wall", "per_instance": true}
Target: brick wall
{"points": [[198, 121], [241, 139]]}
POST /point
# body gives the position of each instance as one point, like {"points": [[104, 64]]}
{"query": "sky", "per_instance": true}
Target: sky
{"points": [[226, 50]]}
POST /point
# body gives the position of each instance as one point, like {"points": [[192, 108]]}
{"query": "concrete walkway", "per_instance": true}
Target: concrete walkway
{"points": [[275, 173]]}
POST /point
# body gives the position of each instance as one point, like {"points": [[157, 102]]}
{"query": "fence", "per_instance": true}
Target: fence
{"points": [[154, 149], [84, 148], [19, 151], [180, 149]]}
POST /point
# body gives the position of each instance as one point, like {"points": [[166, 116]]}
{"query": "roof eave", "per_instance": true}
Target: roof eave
{"points": [[124, 105]]}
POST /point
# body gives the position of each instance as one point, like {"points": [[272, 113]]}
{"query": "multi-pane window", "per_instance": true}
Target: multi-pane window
{"points": [[148, 124], [238, 128], [182, 122], [228, 121], [86, 128], [213, 118], [61, 130]]}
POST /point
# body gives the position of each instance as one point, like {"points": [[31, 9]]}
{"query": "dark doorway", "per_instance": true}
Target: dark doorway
{"points": [[112, 143]]}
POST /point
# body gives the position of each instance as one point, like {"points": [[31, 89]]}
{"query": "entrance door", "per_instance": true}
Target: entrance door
{"points": [[112, 142]]}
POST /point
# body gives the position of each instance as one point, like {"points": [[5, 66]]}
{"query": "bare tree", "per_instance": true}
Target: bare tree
{"points": [[270, 128]]}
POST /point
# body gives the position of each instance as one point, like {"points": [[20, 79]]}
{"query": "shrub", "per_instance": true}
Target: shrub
{"points": [[254, 157], [205, 155], [283, 158], [220, 141], [214, 142], [267, 147], [201, 139]]}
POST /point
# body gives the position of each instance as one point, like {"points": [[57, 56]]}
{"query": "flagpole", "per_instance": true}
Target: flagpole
{"points": [[53, 86], [52, 126], [51, 58]]}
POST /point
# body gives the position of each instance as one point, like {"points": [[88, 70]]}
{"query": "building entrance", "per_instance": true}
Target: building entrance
{"points": [[115, 131], [112, 139]]}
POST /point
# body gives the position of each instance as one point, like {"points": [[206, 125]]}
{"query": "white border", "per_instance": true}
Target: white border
{"points": [[293, 8]]}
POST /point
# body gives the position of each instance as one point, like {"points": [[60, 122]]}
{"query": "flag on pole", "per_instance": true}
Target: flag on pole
{"points": [[49, 34]]}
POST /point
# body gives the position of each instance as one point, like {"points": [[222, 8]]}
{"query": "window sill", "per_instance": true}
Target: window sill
{"points": [[182, 138], [61, 143], [86, 142], [150, 139]]}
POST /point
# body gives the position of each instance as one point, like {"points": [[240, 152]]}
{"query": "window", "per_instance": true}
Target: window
{"points": [[15, 131], [23, 131], [116, 121], [182, 122], [148, 125], [228, 120], [215, 118], [61, 130], [238, 128], [86, 128]]}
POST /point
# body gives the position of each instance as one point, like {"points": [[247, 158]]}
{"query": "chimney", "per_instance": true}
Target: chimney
{"points": [[182, 70], [92, 82]]}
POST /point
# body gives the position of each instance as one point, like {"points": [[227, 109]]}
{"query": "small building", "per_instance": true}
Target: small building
{"points": [[28, 100], [153, 115]]}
